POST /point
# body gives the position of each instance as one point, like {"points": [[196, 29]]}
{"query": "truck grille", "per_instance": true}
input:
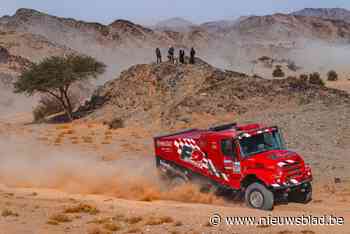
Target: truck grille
{"points": [[292, 170]]}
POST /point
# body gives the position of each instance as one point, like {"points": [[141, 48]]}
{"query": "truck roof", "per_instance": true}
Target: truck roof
{"points": [[227, 130]]}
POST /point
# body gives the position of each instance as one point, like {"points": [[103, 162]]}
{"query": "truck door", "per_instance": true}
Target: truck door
{"points": [[231, 164]]}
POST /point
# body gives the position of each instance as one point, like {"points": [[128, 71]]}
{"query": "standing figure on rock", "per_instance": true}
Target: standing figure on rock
{"points": [[159, 56], [171, 53], [192, 56], [182, 56]]}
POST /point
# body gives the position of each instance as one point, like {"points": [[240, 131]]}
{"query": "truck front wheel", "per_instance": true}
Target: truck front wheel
{"points": [[258, 196]]}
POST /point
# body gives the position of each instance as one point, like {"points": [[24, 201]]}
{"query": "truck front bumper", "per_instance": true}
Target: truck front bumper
{"points": [[292, 185]]}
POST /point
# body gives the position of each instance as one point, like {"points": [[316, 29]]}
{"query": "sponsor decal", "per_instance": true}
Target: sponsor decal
{"points": [[164, 143], [237, 167], [190, 152]]}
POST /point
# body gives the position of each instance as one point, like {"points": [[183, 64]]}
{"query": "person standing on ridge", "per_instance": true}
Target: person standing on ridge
{"points": [[182, 56], [192, 56], [171, 52], [159, 56]]}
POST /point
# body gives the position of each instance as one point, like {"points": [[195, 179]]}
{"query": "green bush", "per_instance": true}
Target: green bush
{"points": [[315, 78], [332, 75], [304, 78], [278, 72]]}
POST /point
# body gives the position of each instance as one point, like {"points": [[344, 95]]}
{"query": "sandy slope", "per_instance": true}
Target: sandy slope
{"points": [[35, 207], [46, 169]]}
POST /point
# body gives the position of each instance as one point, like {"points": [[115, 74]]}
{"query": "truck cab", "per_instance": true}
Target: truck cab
{"points": [[251, 159]]}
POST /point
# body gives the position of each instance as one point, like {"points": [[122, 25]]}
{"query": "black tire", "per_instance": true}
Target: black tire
{"points": [[257, 196], [300, 196], [177, 181]]}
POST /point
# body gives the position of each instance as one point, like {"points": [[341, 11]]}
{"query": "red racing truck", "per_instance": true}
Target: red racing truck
{"points": [[249, 159]]}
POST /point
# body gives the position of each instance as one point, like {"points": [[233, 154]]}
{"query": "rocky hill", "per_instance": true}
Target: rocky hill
{"points": [[12, 64], [169, 93], [326, 13], [227, 43], [279, 27], [176, 24]]}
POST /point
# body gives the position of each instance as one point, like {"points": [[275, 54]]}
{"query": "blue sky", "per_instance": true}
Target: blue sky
{"points": [[149, 11]]}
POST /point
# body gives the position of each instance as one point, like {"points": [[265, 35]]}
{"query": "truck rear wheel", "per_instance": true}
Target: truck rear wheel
{"points": [[177, 181], [257, 196]]}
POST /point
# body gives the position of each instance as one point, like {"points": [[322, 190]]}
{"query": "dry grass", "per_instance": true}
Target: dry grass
{"points": [[7, 213], [58, 140], [82, 208], [100, 220], [69, 132], [307, 232], [108, 133], [64, 127], [134, 230], [178, 224], [285, 232], [109, 157], [97, 230], [59, 218], [152, 221], [119, 217], [87, 139], [52, 222], [134, 220], [111, 227], [107, 138], [263, 226]]}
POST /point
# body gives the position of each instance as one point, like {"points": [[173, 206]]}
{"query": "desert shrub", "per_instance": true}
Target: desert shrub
{"points": [[112, 227], [315, 78], [152, 221], [304, 78], [296, 84], [60, 218], [332, 75], [278, 72], [116, 123], [82, 208], [7, 212]]}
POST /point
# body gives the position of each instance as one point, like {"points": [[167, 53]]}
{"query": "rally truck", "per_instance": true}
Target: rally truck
{"points": [[251, 160]]}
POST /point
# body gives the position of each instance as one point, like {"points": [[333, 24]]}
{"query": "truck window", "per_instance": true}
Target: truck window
{"points": [[228, 148], [261, 142]]}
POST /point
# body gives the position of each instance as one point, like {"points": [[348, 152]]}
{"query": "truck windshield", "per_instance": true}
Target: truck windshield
{"points": [[261, 142]]}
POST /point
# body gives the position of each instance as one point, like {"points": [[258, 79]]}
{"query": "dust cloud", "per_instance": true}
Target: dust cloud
{"points": [[321, 56], [27, 164]]}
